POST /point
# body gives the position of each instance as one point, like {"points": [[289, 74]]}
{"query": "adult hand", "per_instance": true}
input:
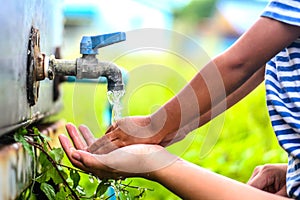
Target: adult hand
{"points": [[124, 132], [134, 130], [134, 160], [270, 178]]}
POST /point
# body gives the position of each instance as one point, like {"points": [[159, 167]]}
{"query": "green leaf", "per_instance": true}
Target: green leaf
{"points": [[91, 178], [36, 131], [42, 178], [44, 162], [80, 190], [48, 190], [22, 131], [74, 175], [32, 196], [62, 194], [39, 134], [53, 173], [44, 137], [20, 137], [57, 154], [101, 189], [141, 194]]}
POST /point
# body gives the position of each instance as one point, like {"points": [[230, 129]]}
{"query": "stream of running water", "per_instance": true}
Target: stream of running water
{"points": [[114, 98]]}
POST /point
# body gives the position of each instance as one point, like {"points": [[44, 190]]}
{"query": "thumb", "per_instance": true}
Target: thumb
{"points": [[258, 182], [111, 128], [282, 191], [85, 158]]}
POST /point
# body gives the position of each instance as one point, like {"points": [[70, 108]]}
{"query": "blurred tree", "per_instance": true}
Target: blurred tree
{"points": [[195, 11]]}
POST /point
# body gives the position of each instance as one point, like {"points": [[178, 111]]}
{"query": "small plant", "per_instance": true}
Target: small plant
{"points": [[55, 181]]}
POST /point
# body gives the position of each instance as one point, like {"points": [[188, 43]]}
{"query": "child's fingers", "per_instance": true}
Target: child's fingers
{"points": [[78, 141], [69, 149]]}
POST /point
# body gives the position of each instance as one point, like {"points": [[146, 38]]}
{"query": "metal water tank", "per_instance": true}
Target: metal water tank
{"points": [[26, 25]]}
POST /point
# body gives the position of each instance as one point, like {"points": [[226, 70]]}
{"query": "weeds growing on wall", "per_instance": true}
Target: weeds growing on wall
{"points": [[55, 181]]}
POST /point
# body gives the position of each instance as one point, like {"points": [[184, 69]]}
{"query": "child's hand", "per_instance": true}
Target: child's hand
{"points": [[134, 160], [270, 178]]}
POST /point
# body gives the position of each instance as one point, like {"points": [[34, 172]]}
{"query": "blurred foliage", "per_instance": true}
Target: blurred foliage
{"points": [[195, 11], [232, 144]]}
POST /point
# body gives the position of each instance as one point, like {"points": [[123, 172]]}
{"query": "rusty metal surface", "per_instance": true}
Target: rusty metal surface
{"points": [[32, 85], [16, 170], [16, 19], [16, 166]]}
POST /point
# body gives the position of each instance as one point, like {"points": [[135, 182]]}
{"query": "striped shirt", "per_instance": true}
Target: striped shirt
{"points": [[282, 79]]}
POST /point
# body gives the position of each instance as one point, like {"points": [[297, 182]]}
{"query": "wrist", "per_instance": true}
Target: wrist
{"points": [[161, 124], [165, 171], [154, 175], [156, 162]]}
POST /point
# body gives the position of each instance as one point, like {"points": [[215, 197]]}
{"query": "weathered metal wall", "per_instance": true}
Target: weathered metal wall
{"points": [[17, 166], [16, 19]]}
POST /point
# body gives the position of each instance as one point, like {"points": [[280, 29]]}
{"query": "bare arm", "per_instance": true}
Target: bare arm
{"points": [[235, 96], [219, 85], [225, 74], [154, 162], [190, 181], [231, 100]]}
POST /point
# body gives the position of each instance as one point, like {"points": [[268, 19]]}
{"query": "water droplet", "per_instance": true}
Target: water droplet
{"points": [[91, 178]]}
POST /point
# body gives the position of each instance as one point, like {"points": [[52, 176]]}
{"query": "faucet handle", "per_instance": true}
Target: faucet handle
{"points": [[90, 44]]}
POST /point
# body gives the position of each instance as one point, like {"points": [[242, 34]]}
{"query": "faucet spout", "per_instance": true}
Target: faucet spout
{"points": [[88, 66], [113, 74]]}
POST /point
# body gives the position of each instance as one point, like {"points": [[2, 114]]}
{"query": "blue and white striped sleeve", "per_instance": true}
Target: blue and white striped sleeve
{"points": [[282, 91], [287, 11]]}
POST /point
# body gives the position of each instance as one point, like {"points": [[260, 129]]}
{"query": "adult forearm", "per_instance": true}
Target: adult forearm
{"points": [[234, 97], [204, 98], [224, 75]]}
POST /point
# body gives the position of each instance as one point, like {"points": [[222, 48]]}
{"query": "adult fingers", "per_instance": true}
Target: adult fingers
{"points": [[87, 134], [111, 128], [105, 144], [78, 142]]}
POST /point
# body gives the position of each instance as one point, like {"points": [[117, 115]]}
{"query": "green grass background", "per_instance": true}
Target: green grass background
{"points": [[231, 145]]}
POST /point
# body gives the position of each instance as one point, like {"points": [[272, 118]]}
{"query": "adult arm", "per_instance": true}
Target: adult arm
{"points": [[116, 136], [223, 77], [225, 74], [230, 100]]}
